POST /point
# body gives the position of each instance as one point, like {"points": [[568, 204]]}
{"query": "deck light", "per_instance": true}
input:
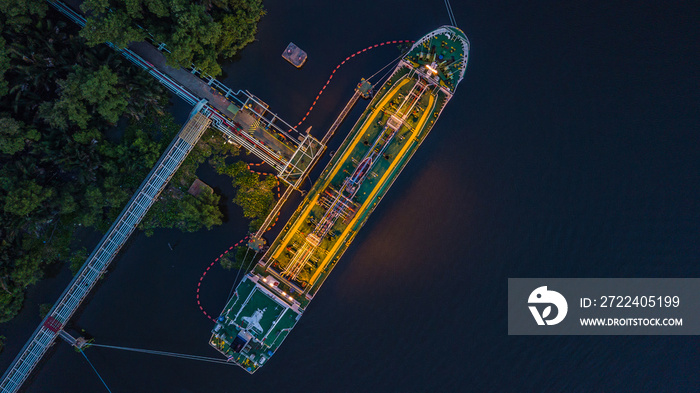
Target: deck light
{"points": [[433, 70], [291, 298], [284, 293]]}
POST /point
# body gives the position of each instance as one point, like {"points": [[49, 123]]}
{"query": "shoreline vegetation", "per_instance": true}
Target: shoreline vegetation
{"points": [[196, 32], [80, 128]]}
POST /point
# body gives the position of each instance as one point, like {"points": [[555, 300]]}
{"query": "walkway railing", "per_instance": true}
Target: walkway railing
{"points": [[104, 253], [164, 79], [143, 199], [341, 117], [305, 145]]}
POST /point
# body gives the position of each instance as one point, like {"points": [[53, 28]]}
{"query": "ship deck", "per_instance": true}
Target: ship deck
{"points": [[356, 146], [277, 319], [273, 296]]}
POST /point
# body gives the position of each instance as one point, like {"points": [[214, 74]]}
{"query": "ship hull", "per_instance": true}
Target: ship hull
{"points": [[271, 298]]}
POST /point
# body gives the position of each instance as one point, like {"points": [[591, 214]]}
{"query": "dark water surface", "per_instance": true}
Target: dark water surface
{"points": [[571, 149]]}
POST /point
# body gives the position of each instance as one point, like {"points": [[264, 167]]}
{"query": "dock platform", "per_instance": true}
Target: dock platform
{"points": [[294, 55]]}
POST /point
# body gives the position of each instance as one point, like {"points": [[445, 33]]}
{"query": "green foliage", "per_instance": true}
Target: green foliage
{"points": [[243, 256], [254, 196], [239, 27], [184, 212], [87, 137], [77, 260], [85, 91], [27, 197], [178, 209], [211, 146], [239, 173], [256, 201], [195, 32], [226, 261], [236, 259], [4, 66], [10, 303], [115, 27], [63, 173], [44, 309], [14, 135], [18, 13], [25, 272], [61, 164]]}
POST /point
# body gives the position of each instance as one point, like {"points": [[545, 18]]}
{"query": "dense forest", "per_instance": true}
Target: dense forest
{"points": [[196, 32], [80, 128]]}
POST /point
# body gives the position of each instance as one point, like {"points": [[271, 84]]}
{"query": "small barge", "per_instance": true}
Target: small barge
{"points": [[294, 55]]}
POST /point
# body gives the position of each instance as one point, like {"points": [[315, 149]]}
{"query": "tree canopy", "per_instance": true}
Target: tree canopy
{"points": [[14, 135], [19, 13], [254, 195], [198, 32], [83, 92], [59, 170], [63, 163]]}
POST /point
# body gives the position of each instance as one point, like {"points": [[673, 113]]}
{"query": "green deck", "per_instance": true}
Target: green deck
{"points": [[386, 135], [371, 191], [279, 317]]}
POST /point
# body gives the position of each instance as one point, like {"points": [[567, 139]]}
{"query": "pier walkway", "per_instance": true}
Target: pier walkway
{"points": [[244, 118], [104, 253], [362, 90]]}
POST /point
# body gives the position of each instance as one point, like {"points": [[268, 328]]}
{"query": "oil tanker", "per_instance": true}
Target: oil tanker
{"points": [[271, 298]]}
